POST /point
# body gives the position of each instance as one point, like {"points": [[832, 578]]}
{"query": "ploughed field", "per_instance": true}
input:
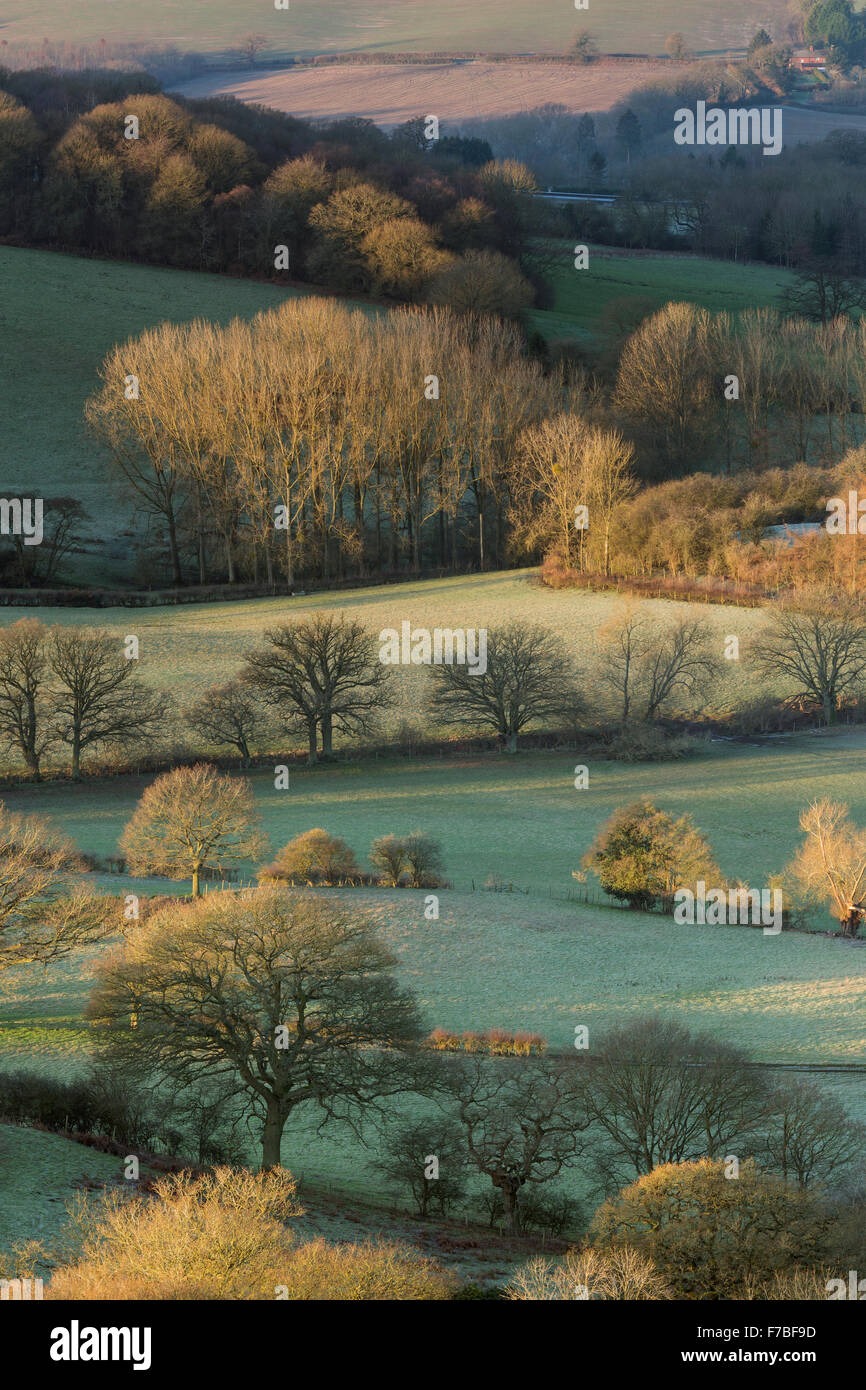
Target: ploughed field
{"points": [[453, 91]]}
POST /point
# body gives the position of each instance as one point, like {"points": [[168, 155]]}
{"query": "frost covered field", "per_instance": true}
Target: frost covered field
{"points": [[525, 962], [187, 648]]}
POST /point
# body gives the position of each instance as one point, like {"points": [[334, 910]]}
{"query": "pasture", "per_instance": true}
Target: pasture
{"points": [[583, 297], [186, 648], [526, 962], [327, 26], [517, 953], [60, 316]]}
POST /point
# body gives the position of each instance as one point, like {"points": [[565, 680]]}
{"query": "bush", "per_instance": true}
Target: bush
{"points": [[388, 856], [423, 860], [406, 1151], [378, 1271], [712, 1236], [313, 858], [95, 1105], [619, 1274], [799, 1284], [551, 1211], [217, 1236], [642, 855], [223, 1236], [645, 743], [416, 858], [496, 1042]]}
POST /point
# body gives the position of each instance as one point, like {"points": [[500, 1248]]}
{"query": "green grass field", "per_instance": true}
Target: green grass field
{"points": [[40, 1174], [186, 648], [321, 26], [583, 295], [519, 959], [526, 962]]}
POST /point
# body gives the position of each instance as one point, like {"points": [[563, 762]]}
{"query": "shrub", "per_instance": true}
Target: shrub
{"points": [[786, 1284], [550, 1211], [378, 1271], [312, 858], [642, 855], [619, 1274], [423, 860], [498, 1042], [223, 1236], [417, 857], [94, 1105], [646, 743], [711, 1236], [406, 1151], [388, 856], [216, 1236]]}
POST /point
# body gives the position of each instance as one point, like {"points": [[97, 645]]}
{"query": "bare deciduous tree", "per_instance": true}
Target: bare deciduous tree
{"points": [[98, 699], [809, 1134], [529, 678], [322, 673], [190, 819], [289, 999], [522, 1118], [227, 714], [831, 863], [663, 1095], [819, 647], [45, 910], [428, 1157], [646, 668], [24, 707]]}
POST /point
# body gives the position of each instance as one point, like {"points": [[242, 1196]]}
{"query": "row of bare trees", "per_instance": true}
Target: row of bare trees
{"points": [[324, 441], [288, 1003], [768, 387], [321, 440], [322, 676], [72, 688]]}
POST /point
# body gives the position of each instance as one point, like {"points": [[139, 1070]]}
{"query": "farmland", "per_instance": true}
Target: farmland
{"points": [[528, 962], [322, 26], [455, 92], [185, 648], [583, 296]]}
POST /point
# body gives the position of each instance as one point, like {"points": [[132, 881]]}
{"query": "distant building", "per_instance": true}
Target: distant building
{"points": [[807, 60]]}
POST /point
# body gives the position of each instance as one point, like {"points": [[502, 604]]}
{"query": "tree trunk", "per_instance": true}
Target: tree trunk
{"points": [[313, 756], [511, 741], [509, 1192], [196, 887], [272, 1135], [327, 736], [173, 550]]}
